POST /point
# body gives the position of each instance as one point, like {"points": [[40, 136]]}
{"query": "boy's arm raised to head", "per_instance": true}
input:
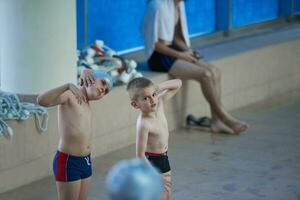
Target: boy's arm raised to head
{"points": [[141, 140], [169, 88], [59, 95]]}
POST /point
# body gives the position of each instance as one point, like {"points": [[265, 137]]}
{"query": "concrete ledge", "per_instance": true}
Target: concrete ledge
{"points": [[247, 78]]}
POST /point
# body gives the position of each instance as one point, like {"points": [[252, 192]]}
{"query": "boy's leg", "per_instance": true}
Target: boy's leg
{"points": [[167, 185], [68, 190], [85, 184]]}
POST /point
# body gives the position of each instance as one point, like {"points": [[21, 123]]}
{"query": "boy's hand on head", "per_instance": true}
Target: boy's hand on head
{"points": [[157, 89], [78, 94], [169, 88], [87, 78]]}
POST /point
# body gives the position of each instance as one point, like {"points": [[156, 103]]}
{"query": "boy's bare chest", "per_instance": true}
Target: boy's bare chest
{"points": [[77, 113], [83, 113], [159, 125]]}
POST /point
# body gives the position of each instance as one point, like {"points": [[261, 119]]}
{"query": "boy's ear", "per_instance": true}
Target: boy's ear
{"points": [[134, 104]]}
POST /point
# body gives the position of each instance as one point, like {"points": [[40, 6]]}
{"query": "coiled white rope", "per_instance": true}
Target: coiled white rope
{"points": [[12, 109]]}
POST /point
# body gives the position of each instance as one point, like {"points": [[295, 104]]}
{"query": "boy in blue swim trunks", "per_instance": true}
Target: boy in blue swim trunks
{"points": [[152, 127], [72, 165]]}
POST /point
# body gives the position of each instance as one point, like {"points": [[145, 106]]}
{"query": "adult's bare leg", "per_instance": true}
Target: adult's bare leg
{"points": [[216, 77], [217, 124], [204, 76]]}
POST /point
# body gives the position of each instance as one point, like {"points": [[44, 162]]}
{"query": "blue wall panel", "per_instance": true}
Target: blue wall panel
{"points": [[201, 16], [80, 23], [223, 22], [297, 7], [116, 22], [245, 12]]}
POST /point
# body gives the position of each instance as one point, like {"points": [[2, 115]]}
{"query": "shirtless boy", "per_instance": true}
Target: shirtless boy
{"points": [[72, 165], [152, 128]]}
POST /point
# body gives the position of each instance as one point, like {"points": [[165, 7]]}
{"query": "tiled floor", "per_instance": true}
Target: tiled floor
{"points": [[264, 163]]}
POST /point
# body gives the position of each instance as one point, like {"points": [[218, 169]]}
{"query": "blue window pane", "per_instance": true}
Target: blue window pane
{"points": [[201, 16], [297, 7], [245, 12], [115, 22], [118, 22]]}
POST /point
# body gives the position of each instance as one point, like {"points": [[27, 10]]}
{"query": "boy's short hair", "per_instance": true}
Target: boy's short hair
{"points": [[136, 85]]}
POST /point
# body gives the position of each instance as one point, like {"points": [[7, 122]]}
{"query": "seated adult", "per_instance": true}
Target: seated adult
{"points": [[168, 49]]}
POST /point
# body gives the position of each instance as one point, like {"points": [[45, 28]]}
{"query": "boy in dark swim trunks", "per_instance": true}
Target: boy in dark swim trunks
{"points": [[152, 128], [72, 165]]}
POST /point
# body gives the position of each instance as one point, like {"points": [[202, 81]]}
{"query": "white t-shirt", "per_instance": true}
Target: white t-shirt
{"points": [[159, 23]]}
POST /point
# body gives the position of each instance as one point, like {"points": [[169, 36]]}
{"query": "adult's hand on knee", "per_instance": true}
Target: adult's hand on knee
{"points": [[187, 56], [197, 55]]}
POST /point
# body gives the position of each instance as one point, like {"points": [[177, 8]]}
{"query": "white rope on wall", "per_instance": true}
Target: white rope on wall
{"points": [[12, 109]]}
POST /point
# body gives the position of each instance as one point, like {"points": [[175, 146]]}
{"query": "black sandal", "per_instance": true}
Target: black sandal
{"points": [[202, 121]]}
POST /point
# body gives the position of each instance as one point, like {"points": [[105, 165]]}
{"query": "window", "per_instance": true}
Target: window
{"points": [[118, 23], [297, 7], [201, 16], [245, 12]]}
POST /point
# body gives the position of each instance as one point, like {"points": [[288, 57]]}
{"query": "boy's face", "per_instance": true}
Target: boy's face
{"points": [[97, 90], [147, 100]]}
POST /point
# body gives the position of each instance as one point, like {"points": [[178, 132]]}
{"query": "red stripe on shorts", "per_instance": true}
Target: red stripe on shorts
{"points": [[154, 154], [61, 167]]}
